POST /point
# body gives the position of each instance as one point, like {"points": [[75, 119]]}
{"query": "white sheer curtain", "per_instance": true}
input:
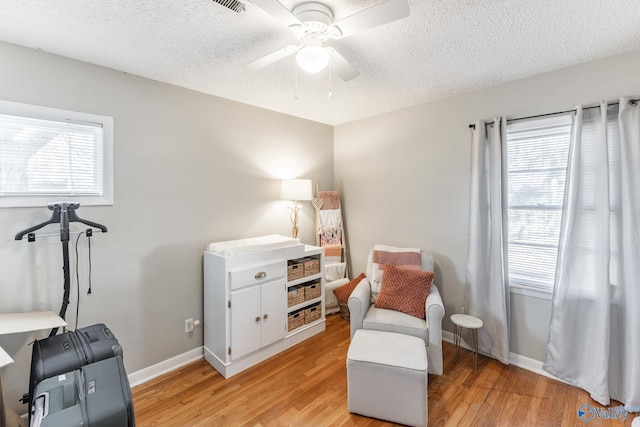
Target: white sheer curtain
{"points": [[594, 338], [487, 295]]}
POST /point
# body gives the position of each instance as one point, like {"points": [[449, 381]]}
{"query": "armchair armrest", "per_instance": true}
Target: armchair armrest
{"points": [[359, 302], [434, 310]]}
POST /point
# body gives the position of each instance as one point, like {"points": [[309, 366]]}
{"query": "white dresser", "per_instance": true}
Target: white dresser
{"points": [[253, 308]]}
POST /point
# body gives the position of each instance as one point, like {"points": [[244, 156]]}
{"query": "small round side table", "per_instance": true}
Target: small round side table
{"points": [[465, 321]]}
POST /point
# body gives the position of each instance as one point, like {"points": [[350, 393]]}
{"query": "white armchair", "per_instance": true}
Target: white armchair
{"points": [[365, 315]]}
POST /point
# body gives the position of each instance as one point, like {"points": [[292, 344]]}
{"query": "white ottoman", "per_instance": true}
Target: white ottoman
{"points": [[387, 377]]}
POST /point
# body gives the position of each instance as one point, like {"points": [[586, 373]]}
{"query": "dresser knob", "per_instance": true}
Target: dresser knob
{"points": [[258, 319], [266, 316]]}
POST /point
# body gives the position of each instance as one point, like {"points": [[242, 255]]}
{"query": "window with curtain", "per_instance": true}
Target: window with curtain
{"points": [[589, 165], [47, 153], [537, 152]]}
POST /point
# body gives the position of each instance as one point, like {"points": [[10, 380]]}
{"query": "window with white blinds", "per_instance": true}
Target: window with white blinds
{"points": [[47, 154], [537, 153]]}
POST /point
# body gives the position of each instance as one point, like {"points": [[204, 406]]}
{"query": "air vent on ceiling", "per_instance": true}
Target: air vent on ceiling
{"points": [[234, 5]]}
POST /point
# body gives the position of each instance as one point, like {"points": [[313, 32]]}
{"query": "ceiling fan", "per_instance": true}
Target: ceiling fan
{"points": [[312, 25]]}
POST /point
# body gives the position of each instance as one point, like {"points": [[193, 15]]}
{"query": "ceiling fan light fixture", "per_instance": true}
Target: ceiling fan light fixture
{"points": [[312, 58]]}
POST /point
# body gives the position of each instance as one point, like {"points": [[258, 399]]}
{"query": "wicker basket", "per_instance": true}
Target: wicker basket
{"points": [[311, 266], [344, 311], [312, 313], [296, 319], [312, 291], [295, 295], [295, 270]]}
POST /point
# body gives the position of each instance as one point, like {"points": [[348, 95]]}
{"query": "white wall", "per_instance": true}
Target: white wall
{"points": [[406, 175], [189, 169]]}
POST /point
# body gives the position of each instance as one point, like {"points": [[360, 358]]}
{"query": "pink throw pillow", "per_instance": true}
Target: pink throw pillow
{"points": [[344, 291], [404, 290]]}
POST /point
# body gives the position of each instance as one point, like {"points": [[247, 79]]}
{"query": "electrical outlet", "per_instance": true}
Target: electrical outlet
{"points": [[188, 325]]}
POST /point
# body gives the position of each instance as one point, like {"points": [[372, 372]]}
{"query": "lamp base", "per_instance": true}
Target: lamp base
{"points": [[294, 219]]}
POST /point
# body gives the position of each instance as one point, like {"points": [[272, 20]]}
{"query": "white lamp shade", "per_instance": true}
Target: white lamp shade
{"points": [[296, 189], [312, 58]]}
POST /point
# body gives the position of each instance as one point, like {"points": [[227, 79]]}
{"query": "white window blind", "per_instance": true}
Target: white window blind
{"points": [[47, 153], [537, 154]]}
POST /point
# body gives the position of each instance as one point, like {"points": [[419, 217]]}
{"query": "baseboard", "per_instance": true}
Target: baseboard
{"points": [[147, 374], [448, 337], [515, 359], [532, 365]]}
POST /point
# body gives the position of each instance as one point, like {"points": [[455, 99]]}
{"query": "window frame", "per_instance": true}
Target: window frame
{"points": [[59, 115]]}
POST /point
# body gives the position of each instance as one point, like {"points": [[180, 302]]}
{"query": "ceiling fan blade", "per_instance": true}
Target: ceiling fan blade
{"points": [[341, 66], [278, 11], [273, 57], [383, 13]]}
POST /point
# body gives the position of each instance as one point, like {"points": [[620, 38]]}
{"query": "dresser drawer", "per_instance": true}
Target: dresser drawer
{"points": [[257, 274]]}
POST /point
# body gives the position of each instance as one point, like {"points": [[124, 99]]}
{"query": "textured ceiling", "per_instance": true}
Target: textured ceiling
{"points": [[444, 47]]}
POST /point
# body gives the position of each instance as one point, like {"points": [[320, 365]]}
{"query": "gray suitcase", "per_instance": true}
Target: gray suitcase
{"points": [[70, 351], [97, 395]]}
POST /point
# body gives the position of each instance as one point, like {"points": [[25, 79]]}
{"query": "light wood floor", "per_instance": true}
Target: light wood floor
{"points": [[307, 386]]}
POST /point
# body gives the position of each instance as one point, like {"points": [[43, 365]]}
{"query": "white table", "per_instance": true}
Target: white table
{"points": [[13, 323], [465, 321], [5, 360]]}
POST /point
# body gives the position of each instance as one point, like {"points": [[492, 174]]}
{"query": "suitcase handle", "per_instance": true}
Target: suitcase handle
{"points": [[40, 409]]}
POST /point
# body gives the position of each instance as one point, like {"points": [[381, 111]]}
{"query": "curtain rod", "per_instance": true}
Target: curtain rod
{"points": [[631, 102]]}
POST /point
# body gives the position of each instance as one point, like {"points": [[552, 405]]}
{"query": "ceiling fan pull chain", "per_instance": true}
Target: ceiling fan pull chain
{"points": [[295, 74], [330, 84]]}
